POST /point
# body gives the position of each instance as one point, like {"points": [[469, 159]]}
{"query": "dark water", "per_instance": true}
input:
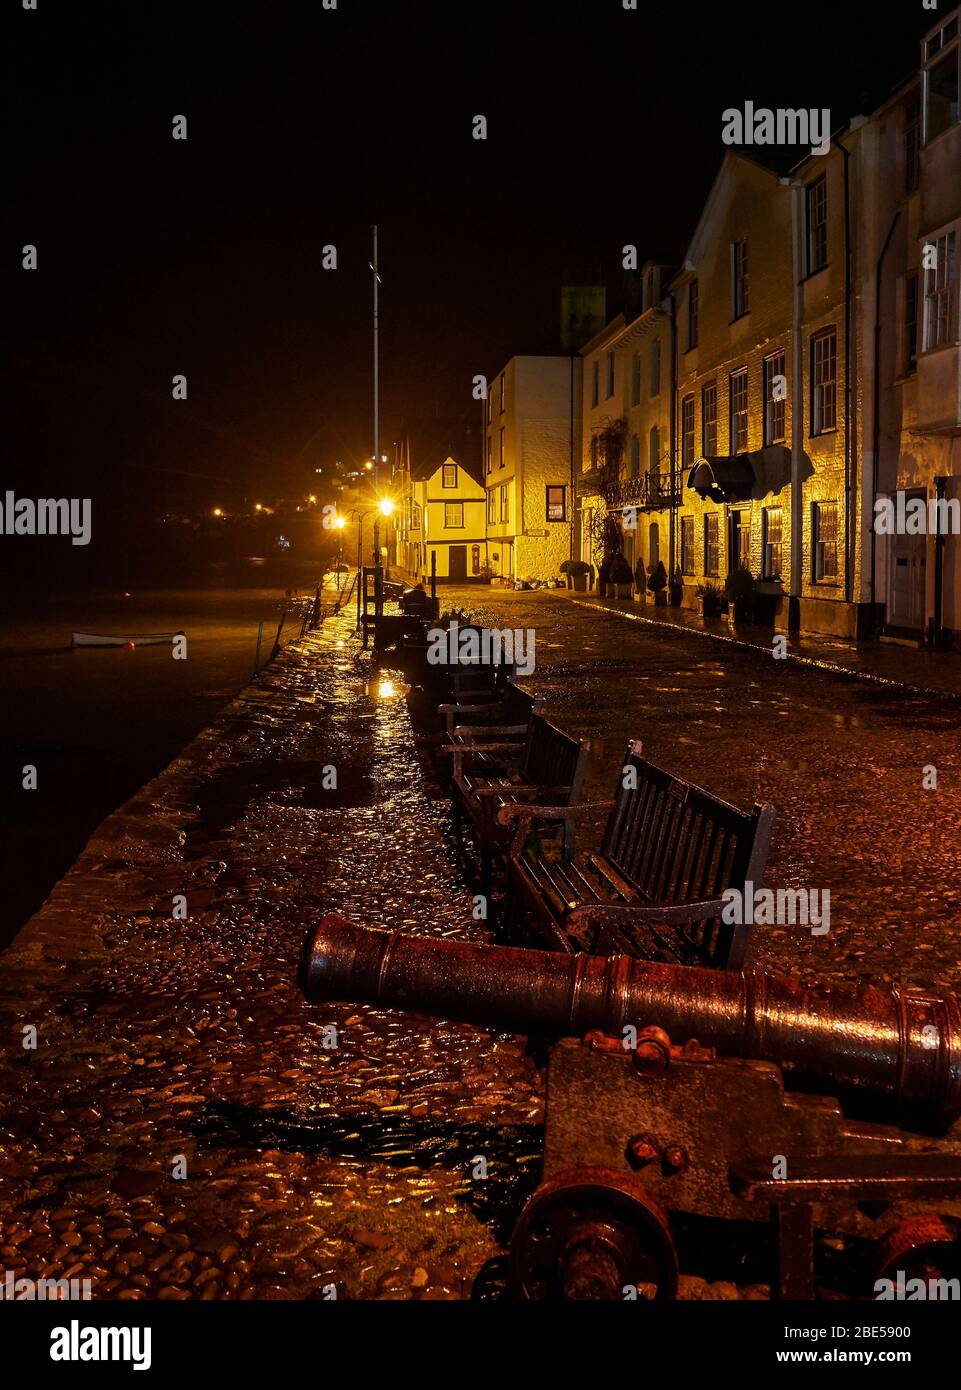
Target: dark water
{"points": [[99, 722]]}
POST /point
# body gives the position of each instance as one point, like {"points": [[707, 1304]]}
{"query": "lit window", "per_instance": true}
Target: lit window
{"points": [[687, 545], [709, 419], [824, 531], [556, 503], [774, 399], [687, 431], [940, 295], [771, 543], [817, 224], [824, 368], [712, 550], [738, 433]]}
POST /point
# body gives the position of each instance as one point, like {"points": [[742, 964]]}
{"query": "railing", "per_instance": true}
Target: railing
{"points": [[648, 491]]}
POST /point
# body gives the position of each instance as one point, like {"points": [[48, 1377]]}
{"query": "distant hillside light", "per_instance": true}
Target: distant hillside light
{"points": [[217, 511]]}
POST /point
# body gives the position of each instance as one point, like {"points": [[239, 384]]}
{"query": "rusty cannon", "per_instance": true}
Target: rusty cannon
{"points": [[676, 1094]]}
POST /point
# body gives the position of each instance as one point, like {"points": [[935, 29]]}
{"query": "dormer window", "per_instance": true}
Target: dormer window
{"points": [[941, 54]]}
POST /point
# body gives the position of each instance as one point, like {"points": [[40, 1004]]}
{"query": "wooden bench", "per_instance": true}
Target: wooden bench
{"points": [[546, 766], [654, 888], [507, 714]]}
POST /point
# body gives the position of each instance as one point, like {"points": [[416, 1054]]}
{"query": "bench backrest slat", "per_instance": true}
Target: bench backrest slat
{"points": [[678, 843], [552, 758]]}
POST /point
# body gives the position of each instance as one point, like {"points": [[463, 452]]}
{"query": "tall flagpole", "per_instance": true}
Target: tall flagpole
{"points": [[373, 266]]}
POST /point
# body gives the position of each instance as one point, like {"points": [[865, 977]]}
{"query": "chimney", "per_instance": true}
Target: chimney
{"points": [[583, 313]]}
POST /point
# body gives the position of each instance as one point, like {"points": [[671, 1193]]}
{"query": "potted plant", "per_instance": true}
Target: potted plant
{"points": [[739, 592], [485, 574], [710, 593], [621, 577], [657, 584], [577, 572]]}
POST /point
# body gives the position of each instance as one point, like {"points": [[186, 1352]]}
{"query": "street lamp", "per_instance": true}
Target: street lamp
{"points": [[383, 507]]}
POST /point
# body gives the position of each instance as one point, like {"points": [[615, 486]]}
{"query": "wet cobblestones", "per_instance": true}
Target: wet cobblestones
{"points": [[183, 1127]]}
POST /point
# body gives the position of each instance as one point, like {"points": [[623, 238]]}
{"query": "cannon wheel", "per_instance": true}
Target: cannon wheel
{"points": [[921, 1247], [592, 1233]]}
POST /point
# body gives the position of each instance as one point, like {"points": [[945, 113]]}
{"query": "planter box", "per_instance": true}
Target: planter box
{"points": [[660, 598], [623, 590], [579, 582], [710, 607]]}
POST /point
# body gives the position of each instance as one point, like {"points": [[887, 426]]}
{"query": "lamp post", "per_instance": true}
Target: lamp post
{"points": [[384, 508]]}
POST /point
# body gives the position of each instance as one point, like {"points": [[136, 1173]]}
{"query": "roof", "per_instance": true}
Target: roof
{"points": [[430, 442]]}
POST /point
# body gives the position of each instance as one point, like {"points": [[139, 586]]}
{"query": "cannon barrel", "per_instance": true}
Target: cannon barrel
{"points": [[902, 1045]]}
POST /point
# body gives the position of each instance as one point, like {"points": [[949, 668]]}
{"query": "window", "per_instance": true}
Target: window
{"points": [[475, 559], [595, 378], [912, 143], [712, 551], [771, 543], [454, 516], [491, 506], [636, 379], [610, 373], [594, 448], [738, 428], [505, 508], [941, 78], [692, 307], [824, 367], [556, 503], [415, 516], [940, 295], [740, 301], [774, 399], [490, 464], [654, 448], [687, 545], [655, 368], [816, 200], [687, 431], [635, 456], [503, 389], [488, 410], [501, 459], [709, 419], [911, 322], [825, 534], [450, 475]]}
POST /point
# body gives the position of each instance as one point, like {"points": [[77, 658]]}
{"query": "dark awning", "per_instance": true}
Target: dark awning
{"points": [[723, 478]]}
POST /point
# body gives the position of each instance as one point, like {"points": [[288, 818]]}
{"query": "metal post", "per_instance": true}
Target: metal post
{"points": [[360, 563], [938, 642]]}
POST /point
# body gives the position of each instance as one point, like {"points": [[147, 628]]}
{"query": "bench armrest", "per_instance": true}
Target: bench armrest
{"points": [[472, 730], [525, 816], [671, 914], [520, 792], [458, 708], [459, 749]]}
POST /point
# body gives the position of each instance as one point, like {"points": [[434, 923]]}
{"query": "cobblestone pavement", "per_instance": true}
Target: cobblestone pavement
{"points": [[181, 1130], [169, 1047], [841, 761]]}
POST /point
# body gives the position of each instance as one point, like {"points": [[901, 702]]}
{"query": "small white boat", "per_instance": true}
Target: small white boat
{"points": [[139, 639]]}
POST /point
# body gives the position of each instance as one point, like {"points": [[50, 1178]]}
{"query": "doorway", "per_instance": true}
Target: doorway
{"points": [[908, 576], [457, 562]]}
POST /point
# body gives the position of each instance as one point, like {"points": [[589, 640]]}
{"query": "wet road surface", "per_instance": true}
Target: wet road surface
{"points": [[187, 1126]]}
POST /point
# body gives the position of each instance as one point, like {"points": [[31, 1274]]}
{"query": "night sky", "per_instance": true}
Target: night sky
{"points": [[305, 126]]}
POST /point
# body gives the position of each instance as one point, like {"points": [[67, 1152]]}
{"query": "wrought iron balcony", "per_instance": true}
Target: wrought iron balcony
{"points": [[648, 492]]}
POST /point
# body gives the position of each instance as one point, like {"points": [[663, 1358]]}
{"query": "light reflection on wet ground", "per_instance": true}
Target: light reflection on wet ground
{"points": [[308, 1166]]}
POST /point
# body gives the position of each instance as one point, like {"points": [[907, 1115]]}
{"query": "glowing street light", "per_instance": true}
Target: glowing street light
{"points": [[386, 506], [340, 522]]}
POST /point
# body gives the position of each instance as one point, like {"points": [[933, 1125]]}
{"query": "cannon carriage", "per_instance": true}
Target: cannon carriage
{"points": [[680, 1093]]}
